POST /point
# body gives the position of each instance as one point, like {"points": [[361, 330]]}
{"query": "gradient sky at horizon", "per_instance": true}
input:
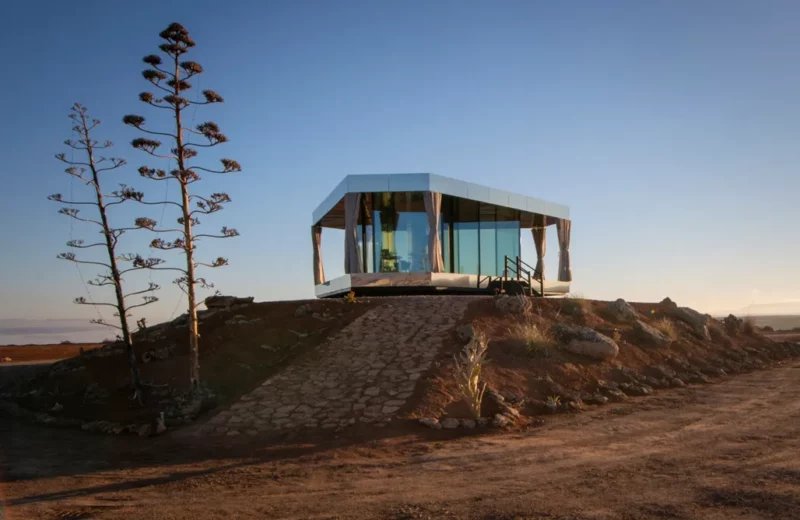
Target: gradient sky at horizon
{"points": [[671, 129]]}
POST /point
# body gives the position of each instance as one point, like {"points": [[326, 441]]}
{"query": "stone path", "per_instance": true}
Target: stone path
{"points": [[364, 373]]}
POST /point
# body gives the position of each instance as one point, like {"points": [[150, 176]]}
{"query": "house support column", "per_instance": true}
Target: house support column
{"points": [[316, 240]]}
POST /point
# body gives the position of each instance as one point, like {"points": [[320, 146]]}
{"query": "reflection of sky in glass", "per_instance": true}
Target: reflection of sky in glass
{"points": [[399, 240]]}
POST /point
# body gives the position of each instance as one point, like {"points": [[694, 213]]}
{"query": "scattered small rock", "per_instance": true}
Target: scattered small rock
{"points": [[466, 332]]}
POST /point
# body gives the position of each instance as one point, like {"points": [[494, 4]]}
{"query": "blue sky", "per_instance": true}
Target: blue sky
{"points": [[671, 129]]}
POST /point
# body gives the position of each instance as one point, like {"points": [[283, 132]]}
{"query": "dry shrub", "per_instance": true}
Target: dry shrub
{"points": [[749, 325], [666, 326], [576, 305], [468, 366], [717, 333], [536, 338]]}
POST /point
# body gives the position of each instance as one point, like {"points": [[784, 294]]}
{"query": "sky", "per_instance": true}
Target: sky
{"points": [[671, 129]]}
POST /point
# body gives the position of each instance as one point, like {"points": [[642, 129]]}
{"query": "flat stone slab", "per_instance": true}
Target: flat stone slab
{"points": [[364, 373]]}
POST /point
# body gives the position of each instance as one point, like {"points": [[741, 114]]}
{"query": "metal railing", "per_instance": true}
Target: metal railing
{"points": [[522, 272]]}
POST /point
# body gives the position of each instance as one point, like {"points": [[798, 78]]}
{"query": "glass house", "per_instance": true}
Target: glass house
{"points": [[407, 233]]}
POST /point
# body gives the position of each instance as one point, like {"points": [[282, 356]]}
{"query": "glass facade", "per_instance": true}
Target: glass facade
{"points": [[476, 237]]}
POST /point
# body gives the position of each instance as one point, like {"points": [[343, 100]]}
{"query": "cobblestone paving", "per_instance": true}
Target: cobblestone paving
{"points": [[364, 373]]}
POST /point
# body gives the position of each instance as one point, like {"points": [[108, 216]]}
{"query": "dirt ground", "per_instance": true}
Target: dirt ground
{"points": [[36, 353], [728, 449]]}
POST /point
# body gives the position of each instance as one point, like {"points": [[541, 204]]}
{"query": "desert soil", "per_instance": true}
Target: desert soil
{"points": [[729, 449]]}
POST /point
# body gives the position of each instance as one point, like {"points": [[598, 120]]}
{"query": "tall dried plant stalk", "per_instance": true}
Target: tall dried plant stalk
{"points": [[468, 366]]}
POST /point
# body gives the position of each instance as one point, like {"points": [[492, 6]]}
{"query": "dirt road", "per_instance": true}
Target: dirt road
{"points": [[712, 452]]}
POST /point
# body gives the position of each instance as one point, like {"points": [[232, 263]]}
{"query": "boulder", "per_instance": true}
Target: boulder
{"points": [[226, 302], [466, 332], [690, 316], [468, 423], [650, 334], [668, 303], [302, 310], [513, 304], [622, 310], [595, 399], [500, 421], [586, 342], [450, 423], [698, 322], [431, 422]]}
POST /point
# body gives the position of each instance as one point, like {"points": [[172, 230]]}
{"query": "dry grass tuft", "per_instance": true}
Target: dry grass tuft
{"points": [[666, 326], [749, 325], [576, 305], [537, 339]]}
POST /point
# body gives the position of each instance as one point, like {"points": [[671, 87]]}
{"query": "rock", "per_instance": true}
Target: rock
{"points": [[430, 422], [303, 310], [233, 433], [650, 334], [57, 407], [663, 371], [483, 422], [596, 399], [669, 304], [677, 382], [698, 322], [622, 310], [500, 421], [698, 378], [551, 405], [161, 427], [468, 423], [615, 395], [226, 302], [145, 430], [519, 304], [6, 359], [450, 423], [633, 389], [466, 332], [509, 411], [586, 342]]}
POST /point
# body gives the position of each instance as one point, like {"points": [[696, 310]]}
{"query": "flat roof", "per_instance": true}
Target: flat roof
{"points": [[394, 182]]}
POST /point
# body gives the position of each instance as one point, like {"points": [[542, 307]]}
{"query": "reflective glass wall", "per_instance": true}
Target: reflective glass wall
{"points": [[393, 233], [475, 237]]}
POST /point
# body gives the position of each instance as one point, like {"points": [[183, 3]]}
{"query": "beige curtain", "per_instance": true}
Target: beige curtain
{"points": [[433, 207], [352, 260], [564, 227], [540, 241], [316, 239]]}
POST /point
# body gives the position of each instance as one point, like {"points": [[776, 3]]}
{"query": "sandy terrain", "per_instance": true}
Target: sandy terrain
{"points": [[717, 451]]}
